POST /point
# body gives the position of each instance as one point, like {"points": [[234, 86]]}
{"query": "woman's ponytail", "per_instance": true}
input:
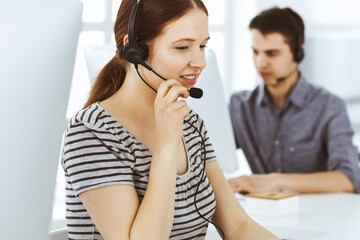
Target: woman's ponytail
{"points": [[108, 81]]}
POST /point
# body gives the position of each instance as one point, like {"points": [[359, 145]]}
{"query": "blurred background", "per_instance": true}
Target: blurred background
{"points": [[332, 53]]}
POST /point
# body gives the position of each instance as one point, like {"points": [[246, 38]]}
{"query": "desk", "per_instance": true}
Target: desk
{"points": [[320, 216]]}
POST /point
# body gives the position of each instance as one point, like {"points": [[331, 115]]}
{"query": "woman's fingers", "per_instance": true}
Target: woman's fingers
{"points": [[169, 111], [175, 92], [166, 87], [181, 107]]}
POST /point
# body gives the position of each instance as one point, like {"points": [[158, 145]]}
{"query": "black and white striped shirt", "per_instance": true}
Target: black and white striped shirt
{"points": [[98, 151]]}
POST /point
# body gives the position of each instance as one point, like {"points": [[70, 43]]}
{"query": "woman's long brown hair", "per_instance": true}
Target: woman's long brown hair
{"points": [[152, 17]]}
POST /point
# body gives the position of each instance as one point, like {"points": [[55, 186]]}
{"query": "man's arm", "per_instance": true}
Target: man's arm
{"points": [[342, 154], [319, 182]]}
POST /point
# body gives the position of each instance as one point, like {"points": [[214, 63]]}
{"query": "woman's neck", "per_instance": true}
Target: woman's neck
{"points": [[133, 107], [134, 97]]}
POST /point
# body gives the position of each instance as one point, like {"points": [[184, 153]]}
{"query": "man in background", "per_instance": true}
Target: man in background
{"points": [[295, 136]]}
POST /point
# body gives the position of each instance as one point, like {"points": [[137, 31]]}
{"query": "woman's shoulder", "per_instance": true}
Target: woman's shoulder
{"points": [[96, 119], [95, 122], [193, 118], [92, 116], [93, 128]]}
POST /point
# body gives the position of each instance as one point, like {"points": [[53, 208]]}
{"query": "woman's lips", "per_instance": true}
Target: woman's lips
{"points": [[190, 79]]}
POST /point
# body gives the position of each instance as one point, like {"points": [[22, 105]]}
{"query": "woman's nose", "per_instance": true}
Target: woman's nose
{"points": [[198, 59]]}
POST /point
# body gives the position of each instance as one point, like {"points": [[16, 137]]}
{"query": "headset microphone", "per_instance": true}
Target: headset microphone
{"points": [[136, 52], [281, 79], [194, 92]]}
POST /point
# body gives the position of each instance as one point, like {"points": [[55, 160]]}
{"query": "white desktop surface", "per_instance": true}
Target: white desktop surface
{"points": [[320, 216]]}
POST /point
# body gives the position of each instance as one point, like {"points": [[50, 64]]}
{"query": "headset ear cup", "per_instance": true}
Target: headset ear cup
{"points": [[299, 55], [143, 49], [136, 53]]}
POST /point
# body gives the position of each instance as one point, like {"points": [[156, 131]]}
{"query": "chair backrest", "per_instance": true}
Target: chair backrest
{"points": [[212, 107], [96, 57], [59, 234]]}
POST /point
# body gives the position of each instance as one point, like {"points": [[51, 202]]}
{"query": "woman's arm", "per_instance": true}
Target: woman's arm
{"points": [[229, 215], [116, 212]]}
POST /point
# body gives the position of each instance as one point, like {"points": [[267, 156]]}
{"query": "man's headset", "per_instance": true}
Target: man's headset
{"points": [[136, 52], [299, 50]]}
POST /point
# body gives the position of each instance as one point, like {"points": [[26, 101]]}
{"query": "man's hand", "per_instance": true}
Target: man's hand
{"points": [[254, 183]]}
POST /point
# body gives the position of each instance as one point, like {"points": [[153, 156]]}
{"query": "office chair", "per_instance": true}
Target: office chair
{"points": [[59, 234]]}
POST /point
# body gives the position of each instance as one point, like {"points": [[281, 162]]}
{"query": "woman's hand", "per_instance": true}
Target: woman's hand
{"points": [[170, 113]]}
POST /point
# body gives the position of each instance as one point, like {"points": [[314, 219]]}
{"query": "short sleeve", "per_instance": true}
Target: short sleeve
{"points": [[209, 149], [94, 158], [343, 155]]}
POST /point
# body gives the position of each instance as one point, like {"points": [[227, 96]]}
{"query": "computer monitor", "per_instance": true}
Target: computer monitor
{"points": [[213, 109], [37, 52]]}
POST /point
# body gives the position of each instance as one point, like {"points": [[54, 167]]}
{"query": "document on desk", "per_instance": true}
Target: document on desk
{"points": [[272, 203]]}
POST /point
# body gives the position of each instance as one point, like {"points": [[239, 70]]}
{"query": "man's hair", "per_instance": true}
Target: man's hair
{"points": [[286, 22]]}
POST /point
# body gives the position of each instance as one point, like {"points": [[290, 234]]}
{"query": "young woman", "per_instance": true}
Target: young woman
{"points": [[134, 156]]}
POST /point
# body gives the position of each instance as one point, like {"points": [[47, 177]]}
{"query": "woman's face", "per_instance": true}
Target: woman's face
{"points": [[179, 51]]}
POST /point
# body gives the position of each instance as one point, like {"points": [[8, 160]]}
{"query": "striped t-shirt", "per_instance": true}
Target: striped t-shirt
{"points": [[98, 151]]}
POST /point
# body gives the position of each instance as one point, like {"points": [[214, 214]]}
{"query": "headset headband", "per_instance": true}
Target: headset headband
{"points": [[132, 20]]}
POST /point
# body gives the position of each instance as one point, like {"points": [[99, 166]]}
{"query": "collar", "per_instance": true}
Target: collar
{"points": [[262, 98], [297, 96]]}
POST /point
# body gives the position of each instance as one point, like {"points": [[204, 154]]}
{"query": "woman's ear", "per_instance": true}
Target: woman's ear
{"points": [[126, 39]]}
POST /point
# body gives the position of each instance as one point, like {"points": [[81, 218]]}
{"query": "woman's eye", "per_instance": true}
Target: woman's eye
{"points": [[203, 46], [182, 48]]}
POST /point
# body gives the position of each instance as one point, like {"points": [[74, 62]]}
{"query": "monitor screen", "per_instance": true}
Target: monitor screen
{"points": [[37, 45]]}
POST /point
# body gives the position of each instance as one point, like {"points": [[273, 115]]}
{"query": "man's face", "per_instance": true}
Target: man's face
{"points": [[273, 58]]}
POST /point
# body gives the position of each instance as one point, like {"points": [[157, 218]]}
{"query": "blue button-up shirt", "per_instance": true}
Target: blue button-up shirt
{"points": [[310, 133]]}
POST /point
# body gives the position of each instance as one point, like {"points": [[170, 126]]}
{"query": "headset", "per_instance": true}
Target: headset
{"points": [[136, 52], [297, 21], [299, 50]]}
